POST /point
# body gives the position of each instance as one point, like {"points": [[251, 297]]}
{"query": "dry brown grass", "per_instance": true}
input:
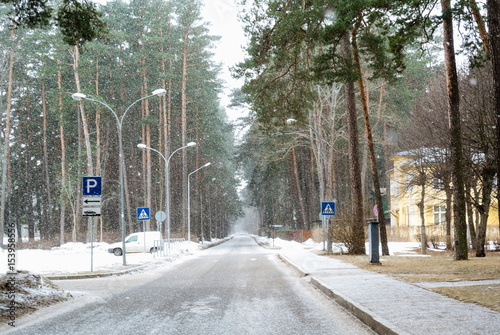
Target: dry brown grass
{"points": [[441, 267], [486, 295]]}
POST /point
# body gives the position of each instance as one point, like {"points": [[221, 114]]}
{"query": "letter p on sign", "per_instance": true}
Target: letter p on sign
{"points": [[91, 186]]}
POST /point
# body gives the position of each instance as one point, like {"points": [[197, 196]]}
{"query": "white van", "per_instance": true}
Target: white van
{"points": [[135, 243]]}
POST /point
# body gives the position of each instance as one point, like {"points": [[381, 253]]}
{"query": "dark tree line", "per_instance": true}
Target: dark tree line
{"points": [[127, 51]]}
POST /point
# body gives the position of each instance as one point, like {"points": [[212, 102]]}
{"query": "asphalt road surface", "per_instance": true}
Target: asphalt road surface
{"points": [[234, 288]]}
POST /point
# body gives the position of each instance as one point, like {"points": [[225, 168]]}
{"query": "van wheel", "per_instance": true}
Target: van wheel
{"points": [[152, 250], [117, 252]]}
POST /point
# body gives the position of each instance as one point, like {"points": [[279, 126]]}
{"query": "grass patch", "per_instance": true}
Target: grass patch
{"points": [[486, 295], [441, 267], [433, 267]]}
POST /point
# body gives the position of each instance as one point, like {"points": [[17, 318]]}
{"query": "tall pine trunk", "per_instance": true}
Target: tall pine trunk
{"points": [[90, 165], [461, 248], [62, 197], [28, 175], [298, 189], [97, 168], [373, 162], [487, 176], [184, 129], [494, 42], [422, 181], [145, 104], [354, 168], [88, 148], [5, 162], [48, 194]]}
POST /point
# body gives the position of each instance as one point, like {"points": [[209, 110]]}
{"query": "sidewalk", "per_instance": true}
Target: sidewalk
{"points": [[391, 306]]}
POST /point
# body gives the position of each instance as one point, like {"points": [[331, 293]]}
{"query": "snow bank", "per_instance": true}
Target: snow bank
{"points": [[30, 291]]}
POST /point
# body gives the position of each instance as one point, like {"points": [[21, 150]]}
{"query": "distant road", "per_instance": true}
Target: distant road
{"points": [[235, 288]]}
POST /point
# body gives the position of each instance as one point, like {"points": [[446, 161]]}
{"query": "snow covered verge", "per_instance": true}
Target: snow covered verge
{"points": [[395, 248], [72, 258], [29, 289], [25, 292]]}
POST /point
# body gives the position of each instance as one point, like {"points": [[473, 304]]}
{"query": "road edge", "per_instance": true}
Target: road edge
{"points": [[377, 324]]}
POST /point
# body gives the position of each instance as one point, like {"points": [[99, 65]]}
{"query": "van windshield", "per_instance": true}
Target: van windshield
{"points": [[131, 239]]}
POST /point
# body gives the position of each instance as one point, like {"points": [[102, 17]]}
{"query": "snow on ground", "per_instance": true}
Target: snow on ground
{"points": [[73, 258], [76, 258], [395, 248]]}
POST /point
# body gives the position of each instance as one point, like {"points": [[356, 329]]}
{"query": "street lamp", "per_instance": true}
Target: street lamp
{"points": [[189, 202], [292, 121], [167, 162], [119, 121]]}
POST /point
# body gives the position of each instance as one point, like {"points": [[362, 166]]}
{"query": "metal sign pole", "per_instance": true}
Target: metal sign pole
{"points": [[144, 230], [92, 244]]}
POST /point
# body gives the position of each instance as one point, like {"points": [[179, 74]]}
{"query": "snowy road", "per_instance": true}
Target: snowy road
{"points": [[235, 288]]}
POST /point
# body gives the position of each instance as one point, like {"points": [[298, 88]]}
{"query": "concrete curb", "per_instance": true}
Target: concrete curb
{"points": [[265, 246], [94, 275], [379, 325], [295, 267], [204, 247]]}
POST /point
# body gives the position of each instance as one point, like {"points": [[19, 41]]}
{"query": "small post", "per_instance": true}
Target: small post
{"points": [[274, 234], [373, 237]]}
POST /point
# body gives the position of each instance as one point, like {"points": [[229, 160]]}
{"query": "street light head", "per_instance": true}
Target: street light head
{"points": [[291, 121], [191, 144], [160, 92], [141, 146], [78, 96], [208, 164]]}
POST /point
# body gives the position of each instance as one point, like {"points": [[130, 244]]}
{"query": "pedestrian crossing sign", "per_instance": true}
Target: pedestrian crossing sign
{"points": [[327, 208], [143, 213]]}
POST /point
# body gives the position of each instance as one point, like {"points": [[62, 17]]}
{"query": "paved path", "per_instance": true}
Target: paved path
{"points": [[392, 306], [235, 288]]}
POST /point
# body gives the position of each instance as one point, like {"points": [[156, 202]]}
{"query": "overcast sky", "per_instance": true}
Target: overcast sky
{"points": [[223, 16]]}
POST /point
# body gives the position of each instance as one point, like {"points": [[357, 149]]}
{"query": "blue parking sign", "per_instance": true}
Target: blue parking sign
{"points": [[92, 186]]}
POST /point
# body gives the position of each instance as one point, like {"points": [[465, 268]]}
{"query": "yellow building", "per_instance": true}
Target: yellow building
{"points": [[411, 170]]}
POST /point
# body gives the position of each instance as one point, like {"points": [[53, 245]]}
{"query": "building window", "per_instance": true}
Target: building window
{"points": [[410, 216], [439, 214], [394, 187], [437, 183], [409, 182]]}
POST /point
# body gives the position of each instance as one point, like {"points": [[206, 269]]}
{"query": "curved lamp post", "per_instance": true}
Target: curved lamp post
{"points": [[189, 202], [167, 162], [292, 121], [119, 121]]}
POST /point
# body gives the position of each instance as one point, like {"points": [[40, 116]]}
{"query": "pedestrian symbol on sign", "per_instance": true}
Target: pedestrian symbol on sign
{"points": [[328, 208], [143, 213]]}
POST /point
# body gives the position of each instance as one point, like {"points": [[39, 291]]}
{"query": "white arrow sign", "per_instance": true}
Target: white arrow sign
{"points": [[91, 205], [92, 201]]}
